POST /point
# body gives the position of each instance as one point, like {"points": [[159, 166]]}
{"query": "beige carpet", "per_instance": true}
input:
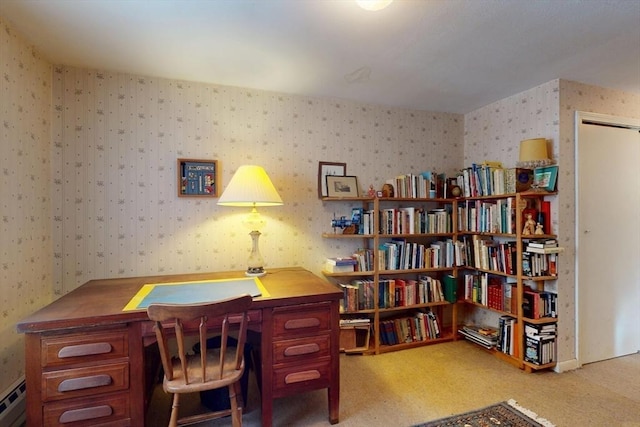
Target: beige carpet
{"points": [[414, 386]]}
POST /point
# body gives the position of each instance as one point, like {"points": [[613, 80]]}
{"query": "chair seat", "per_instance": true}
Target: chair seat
{"points": [[194, 369]]}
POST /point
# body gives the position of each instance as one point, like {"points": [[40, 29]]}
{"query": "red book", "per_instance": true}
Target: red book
{"points": [[546, 210]]}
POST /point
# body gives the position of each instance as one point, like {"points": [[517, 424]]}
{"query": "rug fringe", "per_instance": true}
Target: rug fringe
{"points": [[530, 414]]}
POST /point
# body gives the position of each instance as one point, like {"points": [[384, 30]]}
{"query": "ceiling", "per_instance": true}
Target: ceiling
{"points": [[435, 55]]}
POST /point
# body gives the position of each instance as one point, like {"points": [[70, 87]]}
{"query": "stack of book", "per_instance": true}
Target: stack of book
{"points": [[357, 295], [540, 343], [349, 323], [340, 265], [422, 326], [544, 246], [482, 335], [540, 258]]}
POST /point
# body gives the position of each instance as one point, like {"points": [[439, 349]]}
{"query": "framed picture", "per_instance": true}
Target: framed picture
{"points": [[326, 169], [198, 178], [545, 177], [342, 186]]}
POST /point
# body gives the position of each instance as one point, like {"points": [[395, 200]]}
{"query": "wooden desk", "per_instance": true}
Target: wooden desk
{"points": [[85, 357]]}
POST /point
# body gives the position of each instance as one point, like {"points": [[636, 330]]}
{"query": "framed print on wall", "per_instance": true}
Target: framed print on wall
{"points": [[545, 177], [326, 169], [342, 186], [198, 178]]}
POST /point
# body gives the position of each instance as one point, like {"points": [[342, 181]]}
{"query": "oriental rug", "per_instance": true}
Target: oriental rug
{"points": [[503, 414]]}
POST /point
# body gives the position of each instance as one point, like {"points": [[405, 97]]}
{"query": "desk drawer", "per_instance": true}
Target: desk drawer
{"points": [[80, 348], [301, 349], [302, 377], [111, 410], [69, 383], [306, 319]]}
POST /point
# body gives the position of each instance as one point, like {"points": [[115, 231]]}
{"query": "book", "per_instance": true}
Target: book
{"points": [[342, 261], [332, 268], [450, 284], [544, 250], [347, 323], [548, 243]]}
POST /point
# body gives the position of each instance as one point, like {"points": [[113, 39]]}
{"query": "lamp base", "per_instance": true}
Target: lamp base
{"points": [[255, 272]]}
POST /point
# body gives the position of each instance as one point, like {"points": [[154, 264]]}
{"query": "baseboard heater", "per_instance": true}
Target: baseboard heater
{"points": [[13, 405]]}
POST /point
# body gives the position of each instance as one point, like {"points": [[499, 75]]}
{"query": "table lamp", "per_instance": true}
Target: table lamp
{"points": [[251, 186], [533, 153]]}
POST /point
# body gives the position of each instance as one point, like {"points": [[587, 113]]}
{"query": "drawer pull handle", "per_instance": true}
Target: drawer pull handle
{"points": [[297, 350], [84, 350], [309, 322], [85, 414], [84, 382], [297, 377]]}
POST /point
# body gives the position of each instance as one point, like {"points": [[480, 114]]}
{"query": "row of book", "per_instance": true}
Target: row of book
{"points": [[540, 258], [396, 292], [474, 216], [540, 343], [490, 178], [506, 342], [362, 220], [487, 216], [495, 292], [499, 293], [484, 253], [539, 304], [481, 252], [398, 254], [422, 326], [536, 265], [360, 260], [425, 185], [415, 220]]}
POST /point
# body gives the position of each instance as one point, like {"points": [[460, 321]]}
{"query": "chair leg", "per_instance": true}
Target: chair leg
{"points": [[236, 410], [173, 422]]}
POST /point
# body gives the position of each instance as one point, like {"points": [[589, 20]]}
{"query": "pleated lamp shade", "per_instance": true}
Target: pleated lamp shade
{"points": [[250, 186]]}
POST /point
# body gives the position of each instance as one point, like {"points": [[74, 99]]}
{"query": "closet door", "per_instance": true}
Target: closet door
{"points": [[608, 236]]}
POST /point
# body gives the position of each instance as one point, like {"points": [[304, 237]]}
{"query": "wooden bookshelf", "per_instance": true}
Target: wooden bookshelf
{"points": [[444, 311]]}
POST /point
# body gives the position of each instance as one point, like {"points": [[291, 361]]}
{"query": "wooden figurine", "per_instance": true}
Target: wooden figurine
{"points": [[529, 225]]}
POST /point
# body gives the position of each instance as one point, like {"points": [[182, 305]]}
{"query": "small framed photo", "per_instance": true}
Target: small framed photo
{"points": [[328, 169], [544, 177], [342, 186]]}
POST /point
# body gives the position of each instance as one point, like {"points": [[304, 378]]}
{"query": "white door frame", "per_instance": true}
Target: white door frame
{"points": [[596, 118]]}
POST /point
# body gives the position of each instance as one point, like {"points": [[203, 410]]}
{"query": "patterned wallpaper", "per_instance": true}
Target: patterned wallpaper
{"points": [[25, 226], [100, 200], [116, 139]]}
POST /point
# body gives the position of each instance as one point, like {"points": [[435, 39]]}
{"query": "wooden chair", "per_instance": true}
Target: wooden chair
{"points": [[212, 368]]}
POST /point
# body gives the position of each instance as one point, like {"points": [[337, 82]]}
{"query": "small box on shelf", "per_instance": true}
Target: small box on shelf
{"points": [[354, 335]]}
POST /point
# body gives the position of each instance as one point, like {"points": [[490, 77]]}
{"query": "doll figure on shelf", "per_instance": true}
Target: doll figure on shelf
{"points": [[529, 225], [539, 229], [372, 191]]}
